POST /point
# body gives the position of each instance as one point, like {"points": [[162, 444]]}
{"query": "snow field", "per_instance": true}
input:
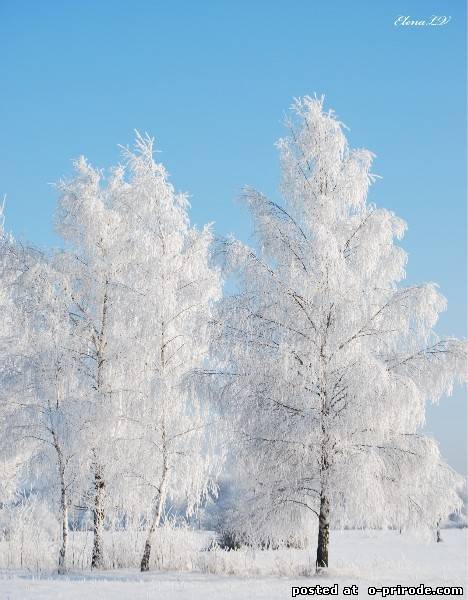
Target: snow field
{"points": [[364, 558]]}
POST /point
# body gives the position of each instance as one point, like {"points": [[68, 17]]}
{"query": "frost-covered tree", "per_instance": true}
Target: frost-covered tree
{"points": [[95, 261], [11, 458], [41, 414], [330, 360], [141, 290], [51, 410], [172, 458]]}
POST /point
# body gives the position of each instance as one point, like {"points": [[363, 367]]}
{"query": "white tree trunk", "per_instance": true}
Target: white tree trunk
{"points": [[323, 531], [438, 534], [62, 563], [324, 514], [144, 566], [62, 559], [97, 559]]}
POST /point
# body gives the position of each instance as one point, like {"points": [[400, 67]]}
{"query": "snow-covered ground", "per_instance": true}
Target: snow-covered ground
{"points": [[362, 558]]}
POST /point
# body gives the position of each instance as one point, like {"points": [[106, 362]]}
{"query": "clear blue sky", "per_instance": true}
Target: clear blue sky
{"points": [[211, 81]]}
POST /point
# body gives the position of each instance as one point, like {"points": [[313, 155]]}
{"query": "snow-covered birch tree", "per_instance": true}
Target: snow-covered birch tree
{"points": [[175, 459], [39, 393], [11, 458], [51, 412], [141, 290], [95, 259], [330, 359]]}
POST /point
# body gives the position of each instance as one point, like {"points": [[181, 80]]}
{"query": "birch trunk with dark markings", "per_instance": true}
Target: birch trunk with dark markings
{"points": [[438, 535], [62, 561], [323, 532], [324, 514], [97, 559], [144, 566]]}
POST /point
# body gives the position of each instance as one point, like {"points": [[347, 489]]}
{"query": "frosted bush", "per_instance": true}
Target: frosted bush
{"points": [[28, 538]]}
